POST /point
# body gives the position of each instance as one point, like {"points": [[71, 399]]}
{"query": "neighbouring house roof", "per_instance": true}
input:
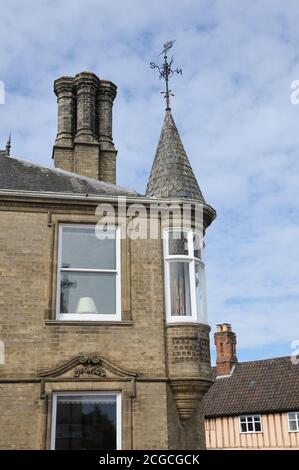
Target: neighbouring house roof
{"points": [[266, 386], [171, 174], [16, 174]]}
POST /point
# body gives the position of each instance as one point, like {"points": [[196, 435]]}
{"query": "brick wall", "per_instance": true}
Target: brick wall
{"points": [[34, 341]]}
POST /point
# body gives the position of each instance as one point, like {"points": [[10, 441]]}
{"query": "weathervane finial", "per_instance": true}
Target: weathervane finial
{"points": [[166, 71]]}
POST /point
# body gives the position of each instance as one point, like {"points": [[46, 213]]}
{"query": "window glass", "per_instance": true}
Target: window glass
{"points": [[86, 292], [86, 422], [250, 426], [180, 289], [81, 249], [257, 426], [243, 427], [198, 289], [178, 243], [197, 246], [293, 425]]}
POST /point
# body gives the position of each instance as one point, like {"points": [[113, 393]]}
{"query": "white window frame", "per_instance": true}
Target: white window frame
{"points": [[108, 392], [93, 316], [296, 419], [246, 422], [193, 318]]}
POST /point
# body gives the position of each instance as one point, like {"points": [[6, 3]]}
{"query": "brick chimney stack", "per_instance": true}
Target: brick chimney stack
{"points": [[225, 341], [84, 143]]}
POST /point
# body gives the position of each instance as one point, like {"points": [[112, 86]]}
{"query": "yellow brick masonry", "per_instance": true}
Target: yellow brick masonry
{"points": [[33, 342]]}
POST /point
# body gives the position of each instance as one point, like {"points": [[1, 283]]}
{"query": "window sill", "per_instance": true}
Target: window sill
{"points": [[187, 323], [251, 432], [89, 323]]}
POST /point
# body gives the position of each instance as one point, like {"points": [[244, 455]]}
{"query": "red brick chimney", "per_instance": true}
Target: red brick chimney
{"points": [[225, 341]]}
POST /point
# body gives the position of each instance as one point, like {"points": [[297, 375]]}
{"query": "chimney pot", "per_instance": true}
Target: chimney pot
{"points": [[84, 142], [63, 89], [86, 84], [226, 327]]}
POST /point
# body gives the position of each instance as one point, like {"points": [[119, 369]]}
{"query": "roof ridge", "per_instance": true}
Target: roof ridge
{"points": [[258, 360], [265, 360]]}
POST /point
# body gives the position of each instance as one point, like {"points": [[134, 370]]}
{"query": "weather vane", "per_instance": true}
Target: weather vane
{"points": [[166, 71]]}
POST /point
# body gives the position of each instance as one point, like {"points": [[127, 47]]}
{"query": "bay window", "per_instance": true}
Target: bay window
{"points": [[88, 273], [86, 421], [184, 276]]}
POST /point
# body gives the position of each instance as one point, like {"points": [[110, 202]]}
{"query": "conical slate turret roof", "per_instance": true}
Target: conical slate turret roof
{"points": [[171, 174]]}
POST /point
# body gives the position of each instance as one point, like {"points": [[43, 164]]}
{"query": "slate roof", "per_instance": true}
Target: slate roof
{"points": [[266, 386], [21, 175], [171, 174]]}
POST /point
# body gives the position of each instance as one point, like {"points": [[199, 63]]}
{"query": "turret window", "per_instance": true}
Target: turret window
{"points": [[179, 277], [184, 276]]}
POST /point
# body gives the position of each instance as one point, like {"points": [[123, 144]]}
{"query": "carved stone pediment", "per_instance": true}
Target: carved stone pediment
{"points": [[86, 366]]}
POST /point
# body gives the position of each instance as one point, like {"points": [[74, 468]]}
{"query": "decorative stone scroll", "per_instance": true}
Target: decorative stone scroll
{"points": [[86, 365]]}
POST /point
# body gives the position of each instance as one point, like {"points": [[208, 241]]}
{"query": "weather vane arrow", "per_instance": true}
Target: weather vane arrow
{"points": [[166, 71]]}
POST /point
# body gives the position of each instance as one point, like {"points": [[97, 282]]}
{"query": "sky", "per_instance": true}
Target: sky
{"points": [[233, 110]]}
